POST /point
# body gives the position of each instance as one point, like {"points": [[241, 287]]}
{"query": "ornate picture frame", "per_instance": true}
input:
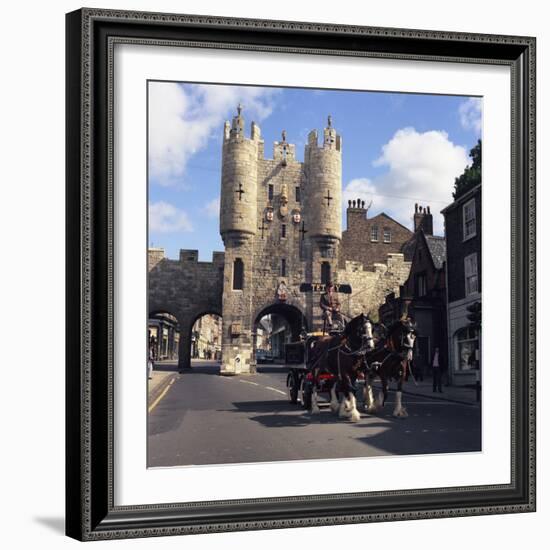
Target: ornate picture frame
{"points": [[90, 365]]}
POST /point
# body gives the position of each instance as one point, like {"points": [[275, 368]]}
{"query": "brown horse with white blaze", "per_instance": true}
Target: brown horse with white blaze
{"points": [[390, 360], [343, 356]]}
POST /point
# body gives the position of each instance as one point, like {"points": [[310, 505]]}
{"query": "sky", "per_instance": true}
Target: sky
{"points": [[398, 150]]}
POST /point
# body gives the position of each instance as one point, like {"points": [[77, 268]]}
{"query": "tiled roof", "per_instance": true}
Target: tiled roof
{"points": [[437, 248]]}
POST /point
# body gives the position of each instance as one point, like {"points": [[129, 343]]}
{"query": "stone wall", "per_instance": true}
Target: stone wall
{"points": [[187, 289], [370, 287]]}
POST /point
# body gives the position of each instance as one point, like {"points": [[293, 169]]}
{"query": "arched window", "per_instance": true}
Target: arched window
{"points": [[325, 273], [238, 274]]}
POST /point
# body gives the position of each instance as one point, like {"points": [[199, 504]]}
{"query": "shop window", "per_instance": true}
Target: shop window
{"points": [[466, 346]]}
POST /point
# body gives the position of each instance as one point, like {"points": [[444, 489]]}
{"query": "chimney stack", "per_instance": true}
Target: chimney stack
{"points": [[423, 219]]}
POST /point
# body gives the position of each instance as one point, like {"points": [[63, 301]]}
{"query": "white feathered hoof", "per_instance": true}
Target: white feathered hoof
{"points": [[315, 409], [401, 413], [334, 406], [343, 411], [355, 416]]}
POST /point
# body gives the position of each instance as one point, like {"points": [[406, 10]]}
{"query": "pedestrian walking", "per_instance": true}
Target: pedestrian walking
{"points": [[150, 364], [436, 372]]}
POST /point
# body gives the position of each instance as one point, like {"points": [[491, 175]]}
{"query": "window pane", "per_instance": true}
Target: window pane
{"points": [[469, 213], [466, 355], [374, 233]]}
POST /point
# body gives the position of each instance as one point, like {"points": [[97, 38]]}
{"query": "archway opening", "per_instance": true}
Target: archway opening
{"points": [[275, 326], [164, 336], [206, 339]]}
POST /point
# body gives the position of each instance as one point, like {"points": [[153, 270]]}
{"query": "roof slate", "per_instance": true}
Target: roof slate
{"points": [[437, 248]]}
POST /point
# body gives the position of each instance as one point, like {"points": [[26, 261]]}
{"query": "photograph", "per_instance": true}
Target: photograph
{"points": [[276, 249], [314, 279]]}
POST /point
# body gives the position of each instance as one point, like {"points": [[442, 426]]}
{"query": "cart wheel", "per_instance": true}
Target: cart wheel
{"points": [[292, 383], [306, 394]]}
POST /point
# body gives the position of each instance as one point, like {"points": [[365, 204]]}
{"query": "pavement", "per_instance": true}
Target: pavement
{"points": [[457, 394], [204, 418], [163, 373]]}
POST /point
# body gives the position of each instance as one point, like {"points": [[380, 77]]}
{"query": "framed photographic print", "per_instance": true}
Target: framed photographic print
{"points": [[281, 237]]}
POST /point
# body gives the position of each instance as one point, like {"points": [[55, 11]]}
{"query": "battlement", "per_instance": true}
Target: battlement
{"points": [[331, 139], [189, 255], [192, 256], [393, 261], [284, 151], [154, 256]]}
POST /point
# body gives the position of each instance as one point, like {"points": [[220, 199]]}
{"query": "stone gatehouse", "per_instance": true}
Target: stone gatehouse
{"points": [[281, 224]]}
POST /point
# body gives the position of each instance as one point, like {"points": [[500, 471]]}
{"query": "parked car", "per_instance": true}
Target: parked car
{"points": [[263, 356]]}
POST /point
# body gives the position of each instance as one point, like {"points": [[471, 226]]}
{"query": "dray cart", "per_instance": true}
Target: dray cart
{"points": [[299, 380], [297, 354]]}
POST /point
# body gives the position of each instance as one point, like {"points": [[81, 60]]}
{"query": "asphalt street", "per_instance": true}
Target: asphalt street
{"points": [[205, 418]]}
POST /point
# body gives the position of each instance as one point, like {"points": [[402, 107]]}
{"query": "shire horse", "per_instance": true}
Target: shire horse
{"points": [[343, 356], [390, 360]]}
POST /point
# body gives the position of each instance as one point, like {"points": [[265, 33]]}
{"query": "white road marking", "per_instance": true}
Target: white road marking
{"points": [[275, 389], [249, 382]]}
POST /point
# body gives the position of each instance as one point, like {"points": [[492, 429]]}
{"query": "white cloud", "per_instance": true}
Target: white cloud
{"points": [[166, 218], [422, 168], [470, 114], [212, 208], [183, 118], [359, 188]]}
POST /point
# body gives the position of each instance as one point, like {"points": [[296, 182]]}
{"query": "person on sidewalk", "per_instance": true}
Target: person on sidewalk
{"points": [[150, 364], [436, 372]]}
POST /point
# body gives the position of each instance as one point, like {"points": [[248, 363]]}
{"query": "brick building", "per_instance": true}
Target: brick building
{"points": [[370, 240]]}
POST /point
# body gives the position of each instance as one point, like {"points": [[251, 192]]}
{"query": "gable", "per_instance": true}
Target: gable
{"points": [[383, 218]]}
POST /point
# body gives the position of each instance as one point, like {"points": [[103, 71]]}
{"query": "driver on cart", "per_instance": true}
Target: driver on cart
{"points": [[331, 308]]}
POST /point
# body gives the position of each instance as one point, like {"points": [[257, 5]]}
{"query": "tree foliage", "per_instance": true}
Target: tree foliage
{"points": [[472, 174]]}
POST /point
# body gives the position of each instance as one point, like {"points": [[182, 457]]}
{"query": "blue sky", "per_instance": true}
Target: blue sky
{"points": [[398, 149]]}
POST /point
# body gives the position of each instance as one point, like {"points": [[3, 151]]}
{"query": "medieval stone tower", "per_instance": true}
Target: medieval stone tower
{"points": [[281, 224]]}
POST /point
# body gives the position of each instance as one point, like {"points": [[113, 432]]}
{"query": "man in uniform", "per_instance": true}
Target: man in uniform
{"points": [[331, 307]]}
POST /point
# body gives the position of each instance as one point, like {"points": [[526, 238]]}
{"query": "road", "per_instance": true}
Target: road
{"points": [[209, 419]]}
